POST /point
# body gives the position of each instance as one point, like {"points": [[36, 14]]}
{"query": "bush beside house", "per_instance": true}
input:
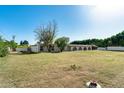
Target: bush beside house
{"points": [[3, 49], [62, 42]]}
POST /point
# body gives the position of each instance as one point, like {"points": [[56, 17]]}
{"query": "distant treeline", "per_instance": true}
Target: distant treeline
{"points": [[115, 40]]}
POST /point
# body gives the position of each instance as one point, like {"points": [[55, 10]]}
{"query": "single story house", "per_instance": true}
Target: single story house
{"points": [[75, 47], [70, 47]]}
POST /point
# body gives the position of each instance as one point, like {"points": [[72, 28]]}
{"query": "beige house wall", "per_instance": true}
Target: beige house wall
{"points": [[36, 48]]}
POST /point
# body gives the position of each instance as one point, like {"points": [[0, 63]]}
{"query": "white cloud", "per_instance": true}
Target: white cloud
{"points": [[106, 13], [105, 20]]}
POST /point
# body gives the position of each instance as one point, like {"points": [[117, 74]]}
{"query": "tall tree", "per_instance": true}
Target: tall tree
{"points": [[13, 38], [46, 34], [116, 40], [12, 43], [21, 42], [25, 42]]}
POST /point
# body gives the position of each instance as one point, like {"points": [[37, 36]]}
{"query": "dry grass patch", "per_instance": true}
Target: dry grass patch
{"points": [[55, 69]]}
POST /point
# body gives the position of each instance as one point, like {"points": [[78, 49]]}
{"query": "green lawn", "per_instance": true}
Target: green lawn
{"points": [[54, 69]]}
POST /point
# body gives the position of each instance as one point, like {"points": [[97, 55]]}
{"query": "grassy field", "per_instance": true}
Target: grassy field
{"points": [[54, 69]]}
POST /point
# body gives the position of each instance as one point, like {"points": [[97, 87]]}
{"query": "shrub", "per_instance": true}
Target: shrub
{"points": [[74, 67], [3, 49], [62, 42]]}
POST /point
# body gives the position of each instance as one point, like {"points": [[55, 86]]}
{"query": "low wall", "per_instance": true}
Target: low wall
{"points": [[21, 49], [101, 48], [115, 48], [35, 48]]}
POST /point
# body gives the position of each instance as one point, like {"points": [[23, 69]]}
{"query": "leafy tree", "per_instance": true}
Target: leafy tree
{"points": [[21, 42], [116, 40], [98, 42], [62, 42], [109, 43], [13, 38], [3, 49], [13, 45], [46, 34], [25, 42]]}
